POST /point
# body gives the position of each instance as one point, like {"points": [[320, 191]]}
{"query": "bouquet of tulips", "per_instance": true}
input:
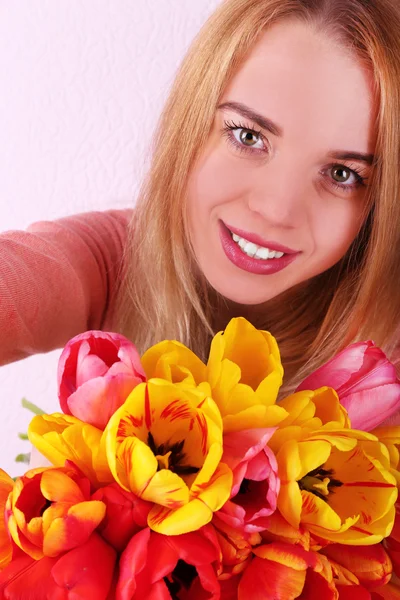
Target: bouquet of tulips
{"points": [[174, 479]]}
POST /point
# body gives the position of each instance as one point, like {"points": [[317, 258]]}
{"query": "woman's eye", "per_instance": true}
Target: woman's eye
{"points": [[343, 175], [244, 139], [344, 178], [248, 138]]}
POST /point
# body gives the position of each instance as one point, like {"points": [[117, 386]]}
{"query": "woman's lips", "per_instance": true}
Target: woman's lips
{"points": [[249, 264], [256, 239]]}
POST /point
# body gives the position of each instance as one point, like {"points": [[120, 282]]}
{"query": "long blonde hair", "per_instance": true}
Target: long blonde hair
{"points": [[163, 295]]}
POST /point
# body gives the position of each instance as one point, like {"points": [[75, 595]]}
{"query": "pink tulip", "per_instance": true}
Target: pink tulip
{"points": [[96, 373], [255, 479], [365, 381]]}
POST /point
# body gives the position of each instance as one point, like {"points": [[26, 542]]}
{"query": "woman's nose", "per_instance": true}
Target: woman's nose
{"points": [[280, 197]]}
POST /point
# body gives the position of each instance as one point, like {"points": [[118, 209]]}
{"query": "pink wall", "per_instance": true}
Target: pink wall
{"points": [[82, 84]]}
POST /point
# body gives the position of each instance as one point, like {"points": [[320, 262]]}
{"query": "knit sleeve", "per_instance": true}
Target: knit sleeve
{"points": [[57, 279]]}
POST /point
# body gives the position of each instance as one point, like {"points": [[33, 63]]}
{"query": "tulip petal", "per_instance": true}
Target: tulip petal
{"points": [[269, 580], [366, 383], [62, 437], [56, 486], [132, 563], [165, 359], [25, 570], [196, 512], [167, 489], [6, 486], [86, 571], [97, 400], [74, 529]]}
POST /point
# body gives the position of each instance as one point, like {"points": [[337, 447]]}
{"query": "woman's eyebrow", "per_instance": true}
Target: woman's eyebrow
{"points": [[249, 113], [359, 156], [277, 130]]}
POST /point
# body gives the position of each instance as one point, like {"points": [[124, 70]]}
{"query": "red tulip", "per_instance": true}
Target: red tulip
{"points": [[126, 515], [391, 591], [159, 567], [96, 373], [365, 381], [82, 573]]}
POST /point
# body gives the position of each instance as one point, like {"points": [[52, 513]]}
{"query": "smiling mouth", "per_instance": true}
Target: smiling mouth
{"points": [[254, 251]]}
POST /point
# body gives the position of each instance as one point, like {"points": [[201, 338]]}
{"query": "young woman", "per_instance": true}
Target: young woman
{"points": [[273, 194]]}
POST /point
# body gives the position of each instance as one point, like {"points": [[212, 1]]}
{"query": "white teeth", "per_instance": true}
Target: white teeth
{"points": [[255, 251], [250, 249], [263, 253]]}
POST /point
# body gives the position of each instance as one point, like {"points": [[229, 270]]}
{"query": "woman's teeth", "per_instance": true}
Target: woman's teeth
{"points": [[255, 251]]}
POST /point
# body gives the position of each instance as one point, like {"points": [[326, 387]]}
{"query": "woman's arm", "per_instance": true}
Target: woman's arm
{"points": [[57, 279]]}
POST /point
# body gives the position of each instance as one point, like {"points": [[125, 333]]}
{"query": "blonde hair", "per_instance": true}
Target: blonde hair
{"points": [[163, 294]]}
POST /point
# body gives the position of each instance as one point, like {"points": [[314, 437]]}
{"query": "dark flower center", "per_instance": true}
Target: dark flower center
{"points": [[244, 486], [320, 482], [171, 456], [181, 577]]}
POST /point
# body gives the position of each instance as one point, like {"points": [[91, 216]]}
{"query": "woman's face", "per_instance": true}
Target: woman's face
{"points": [[277, 196]]}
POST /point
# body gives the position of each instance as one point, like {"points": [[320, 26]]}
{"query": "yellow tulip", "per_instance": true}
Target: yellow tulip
{"points": [[6, 486], [307, 411], [337, 485], [390, 436], [174, 362], [245, 373], [165, 445], [62, 437]]}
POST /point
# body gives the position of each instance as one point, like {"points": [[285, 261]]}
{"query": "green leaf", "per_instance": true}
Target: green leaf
{"points": [[32, 407], [23, 436], [23, 458]]}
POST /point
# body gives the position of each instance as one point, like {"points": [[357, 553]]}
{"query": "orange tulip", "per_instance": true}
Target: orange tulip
{"points": [[6, 485], [392, 543], [236, 547], [280, 570], [370, 564], [49, 511]]}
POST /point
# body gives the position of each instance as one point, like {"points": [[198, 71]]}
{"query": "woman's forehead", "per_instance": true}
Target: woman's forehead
{"points": [[309, 85]]}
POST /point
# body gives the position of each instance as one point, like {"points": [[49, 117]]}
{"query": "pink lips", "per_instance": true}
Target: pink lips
{"points": [[254, 265]]}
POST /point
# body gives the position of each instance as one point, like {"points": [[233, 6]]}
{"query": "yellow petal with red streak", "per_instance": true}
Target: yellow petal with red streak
{"points": [[197, 512], [133, 464], [167, 489]]}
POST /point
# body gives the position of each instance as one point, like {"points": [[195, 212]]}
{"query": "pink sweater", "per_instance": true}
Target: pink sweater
{"points": [[56, 280]]}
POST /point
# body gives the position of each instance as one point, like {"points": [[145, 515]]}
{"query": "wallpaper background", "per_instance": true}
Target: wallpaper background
{"points": [[82, 85]]}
